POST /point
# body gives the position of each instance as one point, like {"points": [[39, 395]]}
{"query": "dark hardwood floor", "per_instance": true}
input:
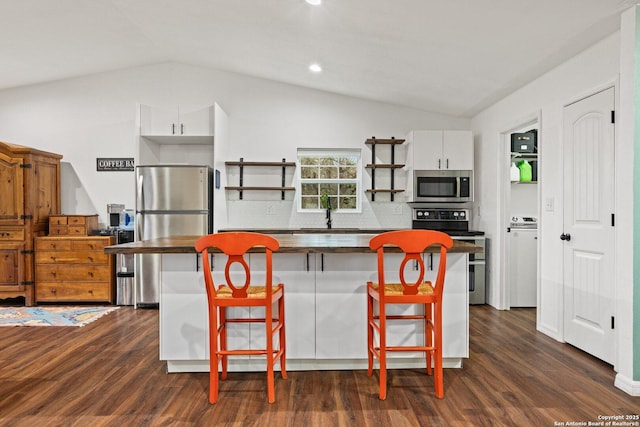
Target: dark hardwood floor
{"points": [[108, 374]]}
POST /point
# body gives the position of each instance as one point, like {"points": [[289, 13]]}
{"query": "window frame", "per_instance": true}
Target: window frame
{"points": [[329, 152]]}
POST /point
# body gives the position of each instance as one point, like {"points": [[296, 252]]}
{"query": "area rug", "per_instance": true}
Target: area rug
{"points": [[51, 315]]}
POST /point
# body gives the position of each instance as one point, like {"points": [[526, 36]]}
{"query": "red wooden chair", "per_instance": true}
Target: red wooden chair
{"points": [[413, 243], [235, 245]]}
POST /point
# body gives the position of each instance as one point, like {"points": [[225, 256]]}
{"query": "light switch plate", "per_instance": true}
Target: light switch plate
{"points": [[548, 204]]}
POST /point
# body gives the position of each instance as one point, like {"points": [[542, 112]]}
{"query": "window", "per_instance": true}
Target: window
{"points": [[332, 176]]}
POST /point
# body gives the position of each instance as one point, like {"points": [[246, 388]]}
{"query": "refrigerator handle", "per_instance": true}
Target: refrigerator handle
{"points": [[140, 200]]}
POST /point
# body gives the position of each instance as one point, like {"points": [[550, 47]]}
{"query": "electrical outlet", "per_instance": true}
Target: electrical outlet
{"points": [[271, 210], [397, 209]]}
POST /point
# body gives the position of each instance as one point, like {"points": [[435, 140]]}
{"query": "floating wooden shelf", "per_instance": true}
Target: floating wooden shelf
{"points": [[384, 190], [241, 164], [384, 166], [261, 188], [391, 166], [392, 141]]}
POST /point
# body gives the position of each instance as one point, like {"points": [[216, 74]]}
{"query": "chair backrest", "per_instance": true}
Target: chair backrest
{"points": [[235, 245], [413, 243]]}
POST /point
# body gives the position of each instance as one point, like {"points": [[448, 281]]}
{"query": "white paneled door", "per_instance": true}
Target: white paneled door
{"points": [[588, 236]]}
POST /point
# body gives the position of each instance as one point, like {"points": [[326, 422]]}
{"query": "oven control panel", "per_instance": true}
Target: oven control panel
{"points": [[434, 214]]}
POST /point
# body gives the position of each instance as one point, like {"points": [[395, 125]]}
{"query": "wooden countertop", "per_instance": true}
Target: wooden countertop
{"points": [[289, 243]]}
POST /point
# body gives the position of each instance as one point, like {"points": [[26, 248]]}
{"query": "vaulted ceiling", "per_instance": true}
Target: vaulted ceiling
{"points": [[450, 56]]}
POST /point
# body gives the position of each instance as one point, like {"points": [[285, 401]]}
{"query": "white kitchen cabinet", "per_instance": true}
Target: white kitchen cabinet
{"points": [[184, 321], [325, 309], [179, 135], [183, 310], [455, 331], [455, 304], [523, 267], [441, 150], [297, 273], [341, 305], [181, 120]]}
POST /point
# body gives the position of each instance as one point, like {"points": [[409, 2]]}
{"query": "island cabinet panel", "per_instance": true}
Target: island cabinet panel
{"points": [[298, 274], [29, 194], [183, 309], [74, 269], [341, 305], [325, 310]]}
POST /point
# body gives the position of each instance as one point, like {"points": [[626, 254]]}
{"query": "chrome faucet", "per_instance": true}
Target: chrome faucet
{"points": [[328, 216]]}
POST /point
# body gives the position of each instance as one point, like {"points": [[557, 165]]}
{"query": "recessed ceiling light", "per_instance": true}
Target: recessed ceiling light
{"points": [[316, 68], [314, 2]]}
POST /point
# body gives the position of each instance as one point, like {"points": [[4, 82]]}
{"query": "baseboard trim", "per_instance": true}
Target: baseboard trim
{"points": [[627, 385]]}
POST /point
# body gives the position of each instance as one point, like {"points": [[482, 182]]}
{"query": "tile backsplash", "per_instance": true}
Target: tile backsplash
{"points": [[283, 214]]}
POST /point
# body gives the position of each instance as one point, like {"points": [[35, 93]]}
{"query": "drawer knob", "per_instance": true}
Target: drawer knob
{"points": [[53, 291]]}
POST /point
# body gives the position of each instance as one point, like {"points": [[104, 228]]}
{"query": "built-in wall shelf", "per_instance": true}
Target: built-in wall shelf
{"points": [[242, 164], [524, 156], [392, 166], [532, 157]]}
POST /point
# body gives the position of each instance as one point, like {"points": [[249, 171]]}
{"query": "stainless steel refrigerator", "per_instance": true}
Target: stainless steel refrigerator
{"points": [[171, 200]]}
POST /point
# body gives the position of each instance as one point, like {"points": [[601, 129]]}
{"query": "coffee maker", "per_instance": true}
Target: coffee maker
{"points": [[124, 263]]}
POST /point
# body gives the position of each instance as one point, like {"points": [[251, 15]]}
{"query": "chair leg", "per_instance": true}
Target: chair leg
{"points": [[269, 337], [369, 334], [428, 335], [437, 354], [213, 356], [283, 339], [383, 352], [223, 340]]}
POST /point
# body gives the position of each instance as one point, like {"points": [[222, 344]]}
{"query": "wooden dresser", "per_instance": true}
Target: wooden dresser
{"points": [[72, 225], [29, 193], [74, 269]]}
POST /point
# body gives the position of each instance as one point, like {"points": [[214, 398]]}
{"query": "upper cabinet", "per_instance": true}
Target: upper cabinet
{"points": [[179, 134], [191, 122], [441, 149]]}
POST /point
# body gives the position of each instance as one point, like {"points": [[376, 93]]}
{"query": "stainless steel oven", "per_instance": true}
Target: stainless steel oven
{"points": [[455, 222], [443, 186]]}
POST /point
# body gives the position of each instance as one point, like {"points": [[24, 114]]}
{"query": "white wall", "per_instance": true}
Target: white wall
{"points": [[94, 116], [628, 354], [545, 97]]}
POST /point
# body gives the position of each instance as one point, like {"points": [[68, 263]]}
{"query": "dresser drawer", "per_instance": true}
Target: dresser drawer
{"points": [[72, 225], [77, 291], [52, 244], [58, 230], [97, 244], [76, 220], [72, 257], [57, 220], [74, 272], [13, 235]]}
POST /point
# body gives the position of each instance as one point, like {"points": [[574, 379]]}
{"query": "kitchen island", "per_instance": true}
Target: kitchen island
{"points": [[325, 277]]}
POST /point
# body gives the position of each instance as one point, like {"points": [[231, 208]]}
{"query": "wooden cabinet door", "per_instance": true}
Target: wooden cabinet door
{"points": [[46, 194], [12, 190], [11, 268]]}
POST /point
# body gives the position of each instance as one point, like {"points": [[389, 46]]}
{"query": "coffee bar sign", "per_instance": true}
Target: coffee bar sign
{"points": [[114, 164]]}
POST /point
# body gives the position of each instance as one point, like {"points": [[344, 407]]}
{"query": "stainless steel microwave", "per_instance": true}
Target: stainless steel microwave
{"points": [[443, 186]]}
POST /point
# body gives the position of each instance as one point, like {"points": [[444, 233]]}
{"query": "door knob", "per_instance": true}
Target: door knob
{"points": [[566, 237]]}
